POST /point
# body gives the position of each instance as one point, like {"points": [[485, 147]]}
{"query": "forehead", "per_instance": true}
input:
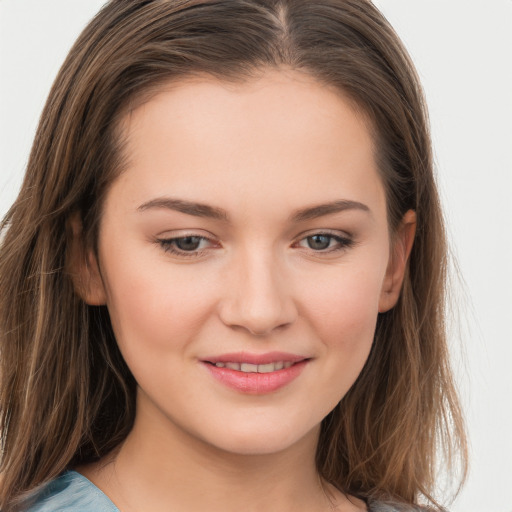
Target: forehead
{"points": [[280, 136]]}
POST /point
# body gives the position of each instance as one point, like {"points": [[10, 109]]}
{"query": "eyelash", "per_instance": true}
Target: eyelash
{"points": [[169, 244], [343, 242]]}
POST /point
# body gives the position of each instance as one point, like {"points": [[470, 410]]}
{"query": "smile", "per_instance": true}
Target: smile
{"points": [[256, 374], [255, 368]]}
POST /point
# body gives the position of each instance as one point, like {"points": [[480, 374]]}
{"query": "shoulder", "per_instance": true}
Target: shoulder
{"points": [[381, 506], [70, 492]]}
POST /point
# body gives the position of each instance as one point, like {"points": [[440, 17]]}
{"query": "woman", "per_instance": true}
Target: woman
{"points": [[223, 277]]}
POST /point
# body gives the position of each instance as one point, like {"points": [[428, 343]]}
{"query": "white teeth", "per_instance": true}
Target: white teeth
{"points": [[255, 368], [266, 368], [249, 368]]}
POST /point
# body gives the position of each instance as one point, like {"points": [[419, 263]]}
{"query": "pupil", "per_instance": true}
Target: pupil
{"points": [[319, 242], [188, 243]]}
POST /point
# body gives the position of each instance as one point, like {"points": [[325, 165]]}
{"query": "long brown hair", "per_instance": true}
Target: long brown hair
{"points": [[66, 396]]}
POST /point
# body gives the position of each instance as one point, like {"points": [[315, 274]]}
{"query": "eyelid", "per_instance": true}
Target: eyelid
{"points": [[167, 241], [344, 242], [327, 231], [344, 239], [183, 233], [343, 235]]}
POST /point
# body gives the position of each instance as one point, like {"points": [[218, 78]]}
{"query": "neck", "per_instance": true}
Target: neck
{"points": [[165, 468]]}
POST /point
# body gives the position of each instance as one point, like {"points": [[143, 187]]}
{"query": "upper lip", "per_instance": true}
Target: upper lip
{"points": [[246, 357]]}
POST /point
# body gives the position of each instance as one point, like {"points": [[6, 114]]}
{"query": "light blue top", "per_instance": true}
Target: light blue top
{"points": [[71, 492]]}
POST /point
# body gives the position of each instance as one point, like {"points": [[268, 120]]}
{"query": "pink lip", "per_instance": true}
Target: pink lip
{"points": [[246, 357], [256, 383]]}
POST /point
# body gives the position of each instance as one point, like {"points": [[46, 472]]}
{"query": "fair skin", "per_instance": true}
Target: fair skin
{"points": [[263, 278]]}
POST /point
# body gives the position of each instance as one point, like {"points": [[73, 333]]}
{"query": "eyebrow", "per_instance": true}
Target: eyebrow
{"points": [[212, 212], [188, 207], [327, 209]]}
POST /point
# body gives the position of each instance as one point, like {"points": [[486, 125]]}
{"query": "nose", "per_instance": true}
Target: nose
{"points": [[257, 296]]}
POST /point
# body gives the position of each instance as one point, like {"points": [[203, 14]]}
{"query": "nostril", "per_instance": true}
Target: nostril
{"points": [[257, 306]]}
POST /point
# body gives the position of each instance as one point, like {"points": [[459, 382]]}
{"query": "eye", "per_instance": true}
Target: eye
{"points": [[325, 242], [319, 242], [186, 246], [188, 243]]}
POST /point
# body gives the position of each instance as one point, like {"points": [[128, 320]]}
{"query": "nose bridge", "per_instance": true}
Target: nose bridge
{"points": [[258, 297]]}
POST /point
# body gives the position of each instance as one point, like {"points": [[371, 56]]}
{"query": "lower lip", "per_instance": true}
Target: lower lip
{"points": [[256, 383]]}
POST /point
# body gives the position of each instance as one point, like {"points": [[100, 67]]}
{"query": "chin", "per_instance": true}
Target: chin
{"points": [[261, 441]]}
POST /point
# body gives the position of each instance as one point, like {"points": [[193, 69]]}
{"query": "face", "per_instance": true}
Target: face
{"points": [[244, 255]]}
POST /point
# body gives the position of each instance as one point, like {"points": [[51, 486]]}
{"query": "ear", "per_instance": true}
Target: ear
{"points": [[400, 250], [83, 267]]}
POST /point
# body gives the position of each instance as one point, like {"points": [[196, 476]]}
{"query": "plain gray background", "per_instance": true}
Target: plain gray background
{"points": [[463, 52]]}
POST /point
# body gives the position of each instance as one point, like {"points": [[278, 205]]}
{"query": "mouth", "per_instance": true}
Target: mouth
{"points": [[254, 368], [256, 374]]}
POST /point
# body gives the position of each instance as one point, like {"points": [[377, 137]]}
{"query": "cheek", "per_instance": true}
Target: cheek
{"points": [[344, 316], [347, 301], [152, 309]]}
